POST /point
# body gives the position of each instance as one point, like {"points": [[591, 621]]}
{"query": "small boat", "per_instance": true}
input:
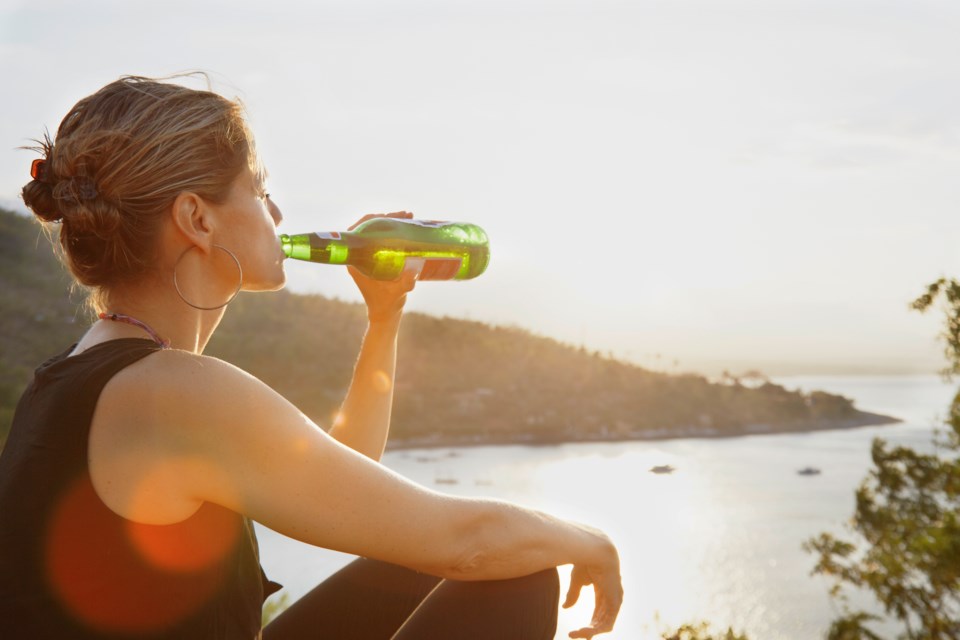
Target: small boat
{"points": [[444, 479], [808, 471], [662, 468]]}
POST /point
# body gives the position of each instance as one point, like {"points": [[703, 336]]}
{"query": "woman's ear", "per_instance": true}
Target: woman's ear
{"points": [[192, 220]]}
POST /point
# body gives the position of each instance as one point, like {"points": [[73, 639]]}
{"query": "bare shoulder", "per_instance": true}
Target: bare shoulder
{"points": [[165, 421], [177, 370], [192, 404], [174, 383]]}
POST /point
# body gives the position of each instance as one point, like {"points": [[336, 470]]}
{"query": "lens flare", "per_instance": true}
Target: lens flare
{"points": [[194, 543], [120, 577], [199, 542]]}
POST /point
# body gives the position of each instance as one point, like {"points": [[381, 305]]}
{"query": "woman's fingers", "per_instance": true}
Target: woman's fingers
{"points": [[411, 271], [602, 623], [371, 216], [386, 298], [608, 596], [609, 599], [573, 593]]}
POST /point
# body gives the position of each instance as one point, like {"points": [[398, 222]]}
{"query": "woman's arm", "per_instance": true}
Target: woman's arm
{"points": [[363, 422], [232, 440]]}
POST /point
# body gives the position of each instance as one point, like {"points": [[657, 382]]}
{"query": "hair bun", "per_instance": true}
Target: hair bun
{"points": [[38, 196], [75, 190]]}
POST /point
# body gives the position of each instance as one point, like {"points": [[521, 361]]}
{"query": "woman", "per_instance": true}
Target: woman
{"points": [[135, 463]]}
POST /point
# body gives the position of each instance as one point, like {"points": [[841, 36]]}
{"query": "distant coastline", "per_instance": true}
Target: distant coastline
{"points": [[458, 382], [438, 440]]}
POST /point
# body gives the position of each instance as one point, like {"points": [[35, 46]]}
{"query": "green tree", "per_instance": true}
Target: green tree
{"points": [[701, 631], [907, 522], [949, 292], [274, 607]]}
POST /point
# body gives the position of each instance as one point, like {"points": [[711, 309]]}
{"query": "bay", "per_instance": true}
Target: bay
{"points": [[717, 539]]}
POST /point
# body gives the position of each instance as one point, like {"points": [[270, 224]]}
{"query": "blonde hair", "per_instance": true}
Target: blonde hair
{"points": [[120, 158]]}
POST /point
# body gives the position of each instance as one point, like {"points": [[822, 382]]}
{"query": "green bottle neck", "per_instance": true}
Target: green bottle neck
{"points": [[328, 248]]}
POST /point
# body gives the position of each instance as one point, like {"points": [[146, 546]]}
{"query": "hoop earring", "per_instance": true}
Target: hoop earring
{"points": [[176, 285]]}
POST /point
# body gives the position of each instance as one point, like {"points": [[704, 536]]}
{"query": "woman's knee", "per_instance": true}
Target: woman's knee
{"points": [[522, 608], [544, 584], [539, 590]]}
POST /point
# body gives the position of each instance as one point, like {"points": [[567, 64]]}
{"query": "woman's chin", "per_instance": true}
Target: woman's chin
{"points": [[273, 284]]}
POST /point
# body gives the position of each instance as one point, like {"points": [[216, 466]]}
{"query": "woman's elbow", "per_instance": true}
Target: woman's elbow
{"points": [[467, 566], [473, 550]]}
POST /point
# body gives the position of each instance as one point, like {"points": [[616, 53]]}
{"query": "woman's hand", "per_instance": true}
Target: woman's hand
{"points": [[385, 298], [607, 590]]}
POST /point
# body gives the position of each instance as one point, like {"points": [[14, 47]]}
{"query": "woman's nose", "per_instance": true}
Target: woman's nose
{"points": [[274, 212]]}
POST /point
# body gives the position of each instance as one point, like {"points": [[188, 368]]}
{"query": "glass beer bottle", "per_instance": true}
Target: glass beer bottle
{"points": [[379, 248]]}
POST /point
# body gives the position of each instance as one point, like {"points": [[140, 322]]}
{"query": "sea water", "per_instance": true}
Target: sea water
{"points": [[719, 538]]}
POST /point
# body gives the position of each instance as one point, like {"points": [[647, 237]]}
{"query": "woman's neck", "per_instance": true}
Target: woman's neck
{"points": [[167, 315]]}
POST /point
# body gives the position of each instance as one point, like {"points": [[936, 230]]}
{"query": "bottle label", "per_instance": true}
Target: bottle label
{"points": [[440, 268]]}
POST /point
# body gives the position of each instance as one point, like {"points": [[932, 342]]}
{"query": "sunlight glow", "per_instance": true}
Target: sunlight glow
{"points": [[198, 542], [651, 517], [681, 534], [97, 566], [382, 382]]}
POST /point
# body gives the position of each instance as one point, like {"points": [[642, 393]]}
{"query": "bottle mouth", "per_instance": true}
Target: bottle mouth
{"points": [[286, 245]]}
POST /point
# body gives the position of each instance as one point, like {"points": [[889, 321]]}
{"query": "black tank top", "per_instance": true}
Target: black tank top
{"points": [[72, 568]]}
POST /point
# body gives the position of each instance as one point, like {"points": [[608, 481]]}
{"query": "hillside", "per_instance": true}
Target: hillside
{"points": [[458, 382]]}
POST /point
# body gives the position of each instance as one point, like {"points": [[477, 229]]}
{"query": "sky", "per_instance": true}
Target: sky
{"points": [[691, 185]]}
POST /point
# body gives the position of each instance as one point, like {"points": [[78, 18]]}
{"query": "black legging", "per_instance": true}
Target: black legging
{"points": [[372, 600]]}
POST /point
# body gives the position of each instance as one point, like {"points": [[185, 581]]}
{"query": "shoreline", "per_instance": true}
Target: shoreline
{"points": [[862, 419]]}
